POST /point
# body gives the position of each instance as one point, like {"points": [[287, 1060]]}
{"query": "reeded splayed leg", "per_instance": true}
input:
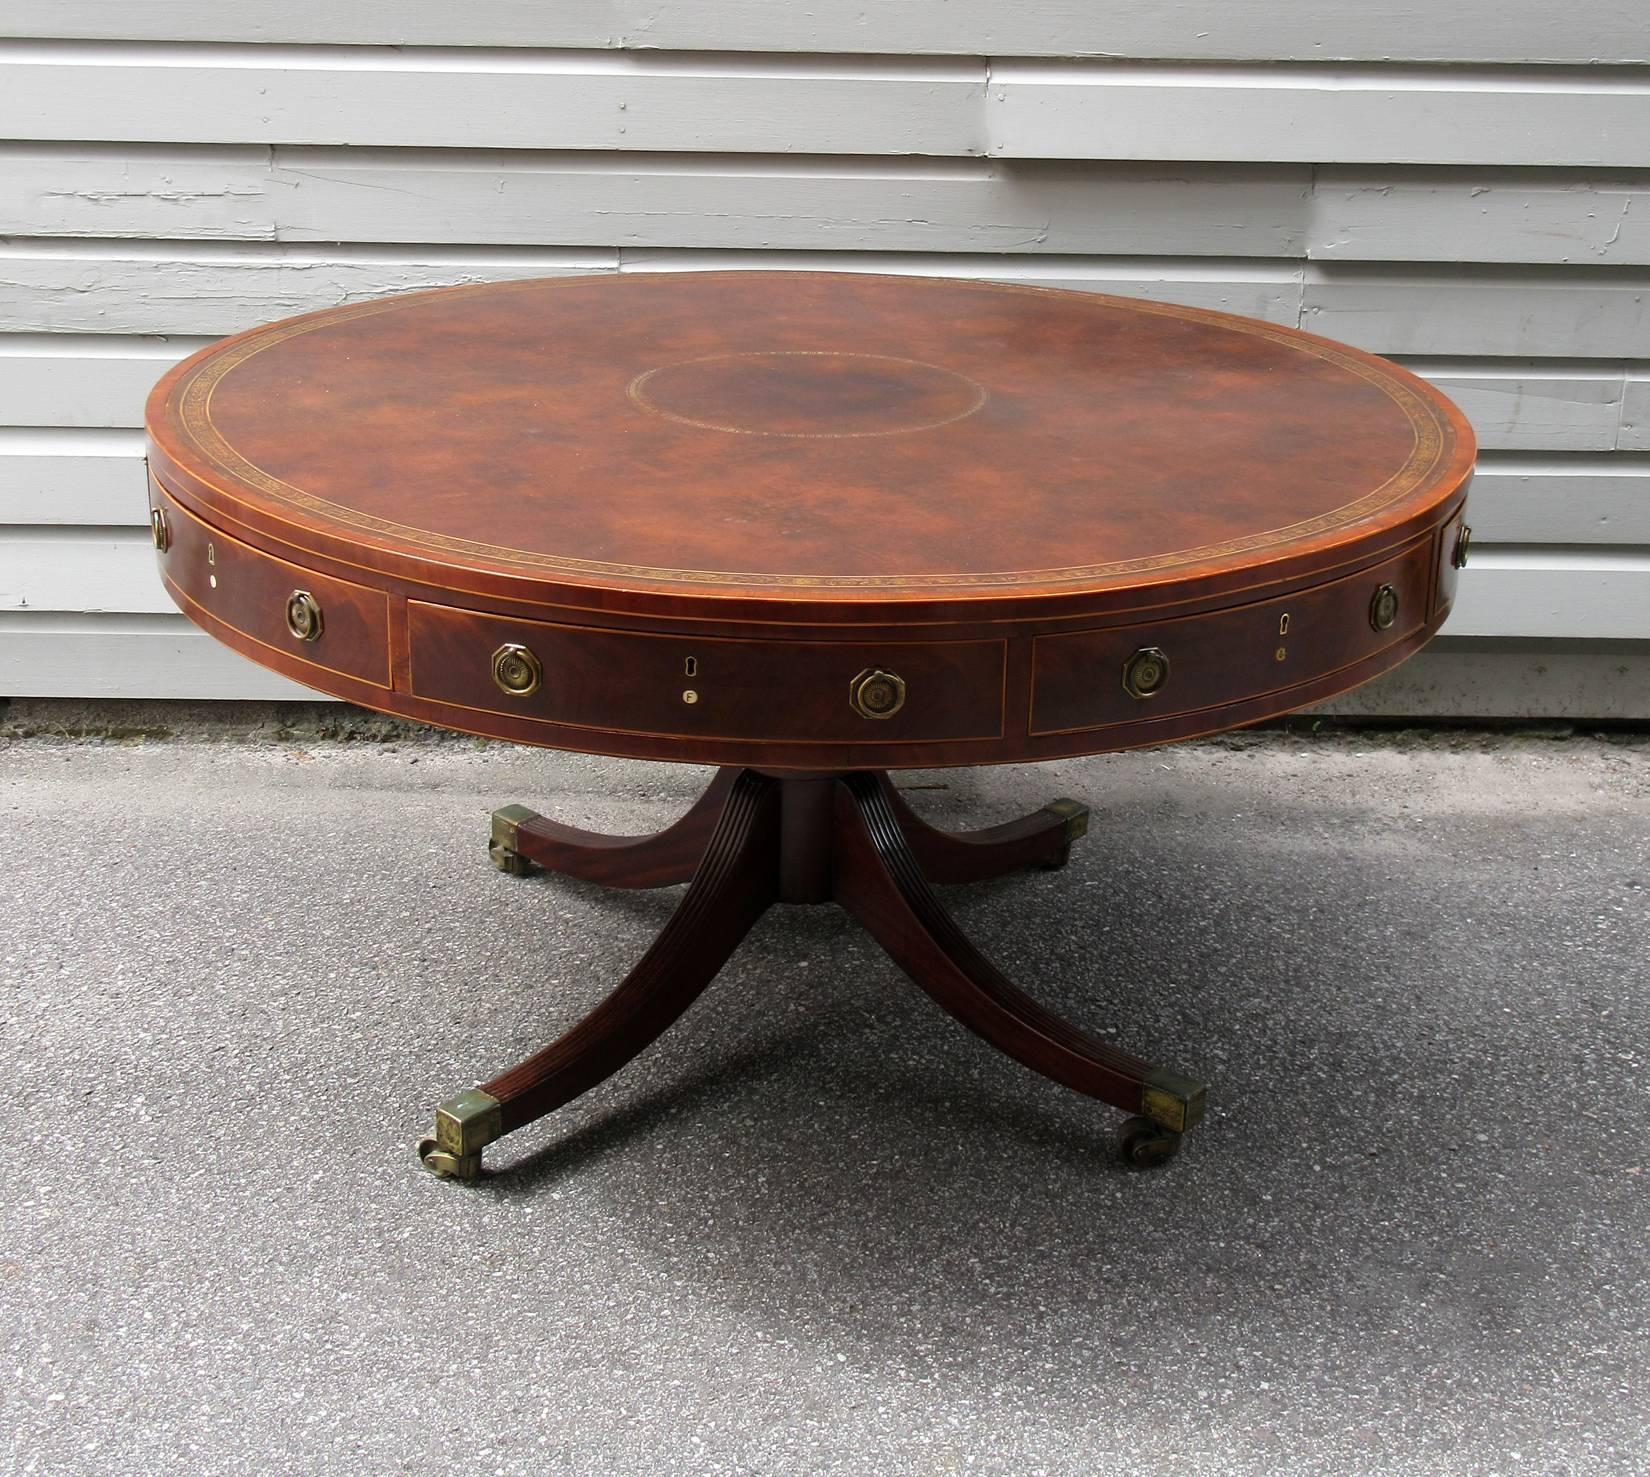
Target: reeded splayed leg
{"points": [[731, 888], [522, 838], [1042, 839], [879, 880]]}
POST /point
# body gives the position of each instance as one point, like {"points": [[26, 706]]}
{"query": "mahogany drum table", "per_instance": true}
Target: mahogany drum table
{"points": [[808, 528]]}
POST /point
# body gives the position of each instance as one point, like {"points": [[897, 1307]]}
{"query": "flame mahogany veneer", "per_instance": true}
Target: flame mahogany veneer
{"points": [[808, 525]]}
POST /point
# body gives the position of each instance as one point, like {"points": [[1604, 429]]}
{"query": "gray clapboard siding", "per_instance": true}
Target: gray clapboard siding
{"points": [[1214, 30], [530, 198], [489, 99], [533, 198], [1374, 115], [211, 288], [86, 379], [1635, 415], [1529, 405], [1552, 499], [1480, 215], [127, 655], [71, 477]]}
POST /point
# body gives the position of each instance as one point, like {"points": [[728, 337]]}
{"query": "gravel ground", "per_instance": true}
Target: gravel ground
{"points": [[818, 1228]]}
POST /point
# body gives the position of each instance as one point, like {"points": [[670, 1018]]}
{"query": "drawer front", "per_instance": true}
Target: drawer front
{"points": [[631, 681], [1089, 679], [1450, 556], [346, 627]]}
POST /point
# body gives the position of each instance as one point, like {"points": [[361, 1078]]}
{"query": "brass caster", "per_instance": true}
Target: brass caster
{"points": [[508, 861], [1145, 1144], [501, 847], [447, 1165], [1076, 816]]}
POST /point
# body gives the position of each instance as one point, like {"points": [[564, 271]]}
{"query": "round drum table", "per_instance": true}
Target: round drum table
{"points": [[808, 528]]}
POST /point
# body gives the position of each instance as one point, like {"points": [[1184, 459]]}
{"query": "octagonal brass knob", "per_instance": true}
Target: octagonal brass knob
{"points": [[1463, 542], [875, 693], [158, 531], [516, 670], [1146, 673], [1383, 608], [303, 616]]}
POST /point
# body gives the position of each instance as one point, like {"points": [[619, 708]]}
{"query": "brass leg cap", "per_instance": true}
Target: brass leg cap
{"points": [[448, 1166], [503, 842], [1076, 816]]}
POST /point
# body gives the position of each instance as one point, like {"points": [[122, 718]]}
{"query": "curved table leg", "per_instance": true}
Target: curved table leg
{"points": [[522, 837], [734, 883], [878, 880], [1042, 839]]}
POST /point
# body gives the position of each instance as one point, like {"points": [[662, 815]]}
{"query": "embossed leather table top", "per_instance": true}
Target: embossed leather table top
{"points": [[756, 487]]}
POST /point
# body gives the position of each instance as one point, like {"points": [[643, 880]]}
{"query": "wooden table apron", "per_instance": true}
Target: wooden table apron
{"points": [[805, 525]]}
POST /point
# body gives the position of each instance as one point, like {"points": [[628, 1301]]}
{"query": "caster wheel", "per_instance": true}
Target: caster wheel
{"points": [[1145, 1144], [448, 1166], [507, 860]]}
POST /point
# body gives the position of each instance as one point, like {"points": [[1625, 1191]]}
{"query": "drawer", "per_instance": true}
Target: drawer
{"points": [[1088, 679], [638, 682], [345, 627], [1451, 555]]}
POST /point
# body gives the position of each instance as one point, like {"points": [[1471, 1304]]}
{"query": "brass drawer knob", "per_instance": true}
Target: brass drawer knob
{"points": [[1383, 608], [303, 616], [158, 531], [875, 693], [516, 670], [1463, 542], [1146, 673]]}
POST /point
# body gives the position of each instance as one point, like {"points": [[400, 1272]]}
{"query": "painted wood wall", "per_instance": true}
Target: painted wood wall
{"points": [[1463, 187]]}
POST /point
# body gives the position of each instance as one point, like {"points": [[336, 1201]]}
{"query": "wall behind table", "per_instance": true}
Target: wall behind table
{"points": [[1400, 178]]}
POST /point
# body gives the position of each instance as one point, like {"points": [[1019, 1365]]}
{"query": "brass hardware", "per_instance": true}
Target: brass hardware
{"points": [[1383, 609], [1171, 1100], [690, 697], [158, 531], [516, 670], [503, 846], [1146, 673], [1283, 624], [875, 693], [690, 668], [1281, 654], [211, 553], [1147, 1144], [303, 616], [1076, 817], [1463, 542], [463, 1126]]}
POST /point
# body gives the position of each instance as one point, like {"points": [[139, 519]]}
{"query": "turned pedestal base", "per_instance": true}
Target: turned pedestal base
{"points": [[755, 839]]}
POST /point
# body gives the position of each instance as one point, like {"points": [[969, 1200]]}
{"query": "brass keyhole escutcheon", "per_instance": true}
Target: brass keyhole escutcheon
{"points": [[1463, 542], [1146, 673], [516, 670], [158, 531], [303, 616], [875, 693], [1383, 609]]}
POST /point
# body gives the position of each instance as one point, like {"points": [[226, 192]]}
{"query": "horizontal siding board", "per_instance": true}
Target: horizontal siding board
{"points": [[297, 194], [551, 100], [72, 477], [533, 198], [1215, 30], [82, 379], [1364, 116], [85, 569], [213, 288], [1561, 500], [1480, 215], [1530, 408], [115, 656], [1635, 415]]}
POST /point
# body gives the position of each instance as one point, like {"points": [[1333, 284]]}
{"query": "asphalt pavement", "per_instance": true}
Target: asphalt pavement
{"points": [[818, 1228]]}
